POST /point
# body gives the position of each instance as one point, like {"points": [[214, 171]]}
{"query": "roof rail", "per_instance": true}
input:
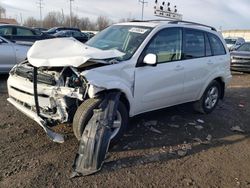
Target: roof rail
{"points": [[156, 20], [176, 22], [192, 23]]}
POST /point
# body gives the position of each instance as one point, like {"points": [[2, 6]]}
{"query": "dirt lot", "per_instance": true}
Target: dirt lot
{"points": [[147, 156]]}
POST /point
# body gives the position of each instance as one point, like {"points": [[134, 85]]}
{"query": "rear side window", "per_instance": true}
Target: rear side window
{"points": [[24, 32], [6, 31], [216, 44], [194, 44]]}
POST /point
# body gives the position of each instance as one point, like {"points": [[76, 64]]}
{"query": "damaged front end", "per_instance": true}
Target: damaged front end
{"points": [[49, 87], [49, 96]]}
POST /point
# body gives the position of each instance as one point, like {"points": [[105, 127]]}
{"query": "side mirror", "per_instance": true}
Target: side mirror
{"points": [[150, 59]]}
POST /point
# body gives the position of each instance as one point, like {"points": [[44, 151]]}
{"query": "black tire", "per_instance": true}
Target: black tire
{"points": [[200, 105], [85, 112]]}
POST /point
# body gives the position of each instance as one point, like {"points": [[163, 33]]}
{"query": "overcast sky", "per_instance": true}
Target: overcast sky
{"points": [[228, 14]]}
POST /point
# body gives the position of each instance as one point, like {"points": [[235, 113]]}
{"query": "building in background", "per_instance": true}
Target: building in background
{"points": [[8, 21], [237, 33]]}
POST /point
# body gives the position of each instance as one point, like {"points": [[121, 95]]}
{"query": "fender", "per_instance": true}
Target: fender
{"points": [[99, 82]]}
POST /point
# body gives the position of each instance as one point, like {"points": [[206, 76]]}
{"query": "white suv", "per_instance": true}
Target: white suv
{"points": [[155, 64]]}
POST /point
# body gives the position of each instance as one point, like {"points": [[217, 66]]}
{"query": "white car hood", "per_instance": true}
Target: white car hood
{"points": [[62, 52]]}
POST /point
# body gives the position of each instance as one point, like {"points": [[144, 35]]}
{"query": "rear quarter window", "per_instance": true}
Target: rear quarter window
{"points": [[216, 45], [194, 44]]}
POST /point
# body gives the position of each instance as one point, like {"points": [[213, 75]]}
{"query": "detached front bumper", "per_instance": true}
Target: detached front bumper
{"points": [[52, 135]]}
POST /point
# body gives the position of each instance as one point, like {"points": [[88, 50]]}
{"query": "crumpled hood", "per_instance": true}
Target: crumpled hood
{"points": [[62, 52]]}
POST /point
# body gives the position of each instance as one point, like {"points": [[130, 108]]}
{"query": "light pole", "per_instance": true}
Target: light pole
{"points": [[40, 6], [143, 2], [70, 13]]}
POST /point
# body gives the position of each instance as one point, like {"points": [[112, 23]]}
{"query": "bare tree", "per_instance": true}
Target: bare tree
{"points": [[31, 22], [102, 22], [2, 12], [75, 21], [125, 20], [53, 19], [57, 19], [86, 24]]}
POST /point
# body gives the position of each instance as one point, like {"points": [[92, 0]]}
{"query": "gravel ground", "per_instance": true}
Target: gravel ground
{"points": [[175, 149]]}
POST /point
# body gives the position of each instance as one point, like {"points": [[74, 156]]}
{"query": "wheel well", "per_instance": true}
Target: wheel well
{"points": [[222, 84], [123, 97]]}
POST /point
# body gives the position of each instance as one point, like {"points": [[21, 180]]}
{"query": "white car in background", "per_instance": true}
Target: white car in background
{"points": [[11, 54], [154, 64], [234, 42]]}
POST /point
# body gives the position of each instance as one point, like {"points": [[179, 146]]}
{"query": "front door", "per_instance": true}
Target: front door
{"points": [[161, 86]]}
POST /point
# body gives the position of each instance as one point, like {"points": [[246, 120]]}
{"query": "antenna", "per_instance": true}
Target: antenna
{"points": [[143, 2], [40, 6]]}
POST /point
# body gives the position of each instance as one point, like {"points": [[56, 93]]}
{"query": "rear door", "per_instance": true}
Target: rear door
{"points": [[25, 36], [197, 62], [162, 85]]}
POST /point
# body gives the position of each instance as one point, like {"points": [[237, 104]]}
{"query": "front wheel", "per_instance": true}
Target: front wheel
{"points": [[85, 112], [209, 99]]}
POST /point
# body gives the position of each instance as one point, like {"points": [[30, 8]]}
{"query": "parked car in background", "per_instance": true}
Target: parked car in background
{"points": [[21, 35], [57, 29], [234, 42], [82, 37], [40, 29], [11, 54], [90, 34], [240, 58]]}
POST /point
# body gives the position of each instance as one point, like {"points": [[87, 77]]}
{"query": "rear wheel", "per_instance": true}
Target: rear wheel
{"points": [[85, 112], [209, 99]]}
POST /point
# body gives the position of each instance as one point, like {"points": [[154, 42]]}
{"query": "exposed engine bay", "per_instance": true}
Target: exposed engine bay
{"points": [[62, 91]]}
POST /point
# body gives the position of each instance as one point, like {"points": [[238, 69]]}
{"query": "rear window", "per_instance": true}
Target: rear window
{"points": [[5, 31], [194, 44], [216, 44]]}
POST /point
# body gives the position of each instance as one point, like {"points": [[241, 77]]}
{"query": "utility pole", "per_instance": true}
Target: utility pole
{"points": [[143, 2], [70, 13], [40, 6], [21, 18]]}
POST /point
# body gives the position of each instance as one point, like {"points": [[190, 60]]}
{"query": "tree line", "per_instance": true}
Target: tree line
{"points": [[58, 19], [53, 19]]}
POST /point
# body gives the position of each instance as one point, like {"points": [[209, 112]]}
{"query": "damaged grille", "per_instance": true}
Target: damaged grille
{"points": [[41, 77]]}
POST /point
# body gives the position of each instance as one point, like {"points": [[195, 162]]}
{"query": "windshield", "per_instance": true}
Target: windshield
{"points": [[52, 29], [244, 47], [230, 41], [124, 38]]}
